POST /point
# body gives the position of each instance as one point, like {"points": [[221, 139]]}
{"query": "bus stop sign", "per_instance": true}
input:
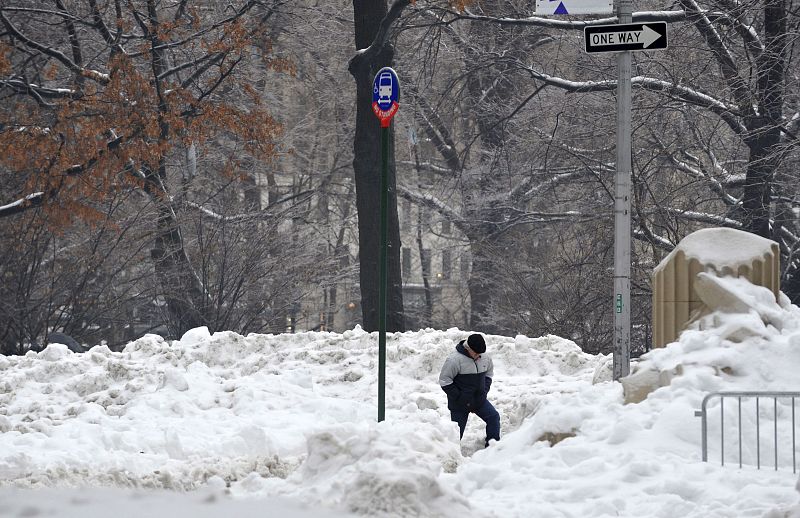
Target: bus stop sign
{"points": [[385, 95]]}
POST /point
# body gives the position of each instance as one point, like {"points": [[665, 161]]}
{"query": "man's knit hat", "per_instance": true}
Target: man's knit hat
{"points": [[476, 343]]}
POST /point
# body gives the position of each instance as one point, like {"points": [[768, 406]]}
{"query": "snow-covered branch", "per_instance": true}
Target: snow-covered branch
{"points": [[725, 111], [427, 200], [21, 205], [267, 213], [384, 31], [553, 181], [95, 75], [450, 16], [436, 130], [704, 217], [654, 239], [40, 93], [528, 217], [727, 62], [426, 166], [696, 170], [35, 199]]}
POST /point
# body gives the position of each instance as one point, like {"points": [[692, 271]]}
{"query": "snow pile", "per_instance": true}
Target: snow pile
{"points": [[208, 502], [248, 420], [724, 248], [393, 467]]}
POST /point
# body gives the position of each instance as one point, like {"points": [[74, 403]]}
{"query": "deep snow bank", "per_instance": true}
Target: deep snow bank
{"points": [[293, 417]]}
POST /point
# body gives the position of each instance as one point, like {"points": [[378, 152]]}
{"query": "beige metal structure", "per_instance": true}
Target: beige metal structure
{"points": [[719, 251]]}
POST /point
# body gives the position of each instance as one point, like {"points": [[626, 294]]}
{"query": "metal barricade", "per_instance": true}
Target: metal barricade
{"points": [[775, 396]]}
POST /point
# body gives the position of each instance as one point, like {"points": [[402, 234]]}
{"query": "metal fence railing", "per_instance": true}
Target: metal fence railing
{"points": [[787, 400]]}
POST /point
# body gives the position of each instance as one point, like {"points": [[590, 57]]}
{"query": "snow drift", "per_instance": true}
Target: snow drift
{"points": [[237, 424]]}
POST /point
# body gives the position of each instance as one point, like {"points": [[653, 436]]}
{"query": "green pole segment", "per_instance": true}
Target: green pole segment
{"points": [[382, 287]]}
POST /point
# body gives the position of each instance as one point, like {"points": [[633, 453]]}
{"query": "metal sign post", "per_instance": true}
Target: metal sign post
{"points": [[385, 103], [622, 209], [623, 38], [615, 38]]}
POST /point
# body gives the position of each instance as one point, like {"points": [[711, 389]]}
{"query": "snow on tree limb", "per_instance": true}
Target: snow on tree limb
{"points": [[42, 92], [654, 239], [704, 217], [384, 31], [21, 205], [95, 75], [726, 112], [432, 202], [266, 213], [426, 166], [727, 62], [554, 23]]}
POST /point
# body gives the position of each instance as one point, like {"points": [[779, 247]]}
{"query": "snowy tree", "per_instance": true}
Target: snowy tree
{"points": [[373, 22], [101, 99]]}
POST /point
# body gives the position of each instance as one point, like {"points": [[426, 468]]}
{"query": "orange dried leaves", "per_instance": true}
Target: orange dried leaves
{"points": [[460, 5], [5, 63], [64, 147]]}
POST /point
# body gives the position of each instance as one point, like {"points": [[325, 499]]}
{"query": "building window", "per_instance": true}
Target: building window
{"points": [[343, 255], [446, 227], [426, 262], [446, 265], [465, 267], [406, 263], [406, 215]]}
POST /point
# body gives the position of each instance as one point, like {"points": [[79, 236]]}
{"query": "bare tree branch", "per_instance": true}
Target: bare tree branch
{"points": [[100, 77]]}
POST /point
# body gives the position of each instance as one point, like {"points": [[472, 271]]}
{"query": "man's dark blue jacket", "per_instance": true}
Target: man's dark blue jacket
{"points": [[466, 381]]}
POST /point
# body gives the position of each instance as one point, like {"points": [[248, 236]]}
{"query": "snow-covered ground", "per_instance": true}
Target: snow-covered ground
{"points": [[285, 425]]}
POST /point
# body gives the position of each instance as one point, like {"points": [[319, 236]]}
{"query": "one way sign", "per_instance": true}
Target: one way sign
{"points": [[629, 36]]}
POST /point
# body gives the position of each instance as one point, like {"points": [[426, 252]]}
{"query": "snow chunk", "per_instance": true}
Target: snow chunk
{"points": [[391, 468], [738, 295], [195, 336], [54, 352], [175, 379]]}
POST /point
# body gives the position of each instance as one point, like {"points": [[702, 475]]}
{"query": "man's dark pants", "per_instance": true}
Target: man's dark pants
{"points": [[486, 412]]}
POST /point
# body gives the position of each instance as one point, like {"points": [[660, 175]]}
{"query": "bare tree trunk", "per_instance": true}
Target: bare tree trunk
{"points": [[368, 15], [180, 287], [765, 127], [182, 291]]}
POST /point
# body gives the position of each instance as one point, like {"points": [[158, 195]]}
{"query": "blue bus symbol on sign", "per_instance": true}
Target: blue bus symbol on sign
{"points": [[385, 94], [385, 89]]}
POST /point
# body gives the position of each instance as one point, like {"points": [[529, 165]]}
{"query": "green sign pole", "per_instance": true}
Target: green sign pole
{"points": [[385, 103], [382, 286]]}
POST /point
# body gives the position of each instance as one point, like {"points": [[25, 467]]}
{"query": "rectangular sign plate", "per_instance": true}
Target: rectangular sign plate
{"points": [[572, 7], [627, 36]]}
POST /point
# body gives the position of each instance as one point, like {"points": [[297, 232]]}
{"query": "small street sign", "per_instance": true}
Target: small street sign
{"points": [[385, 95], [572, 7], [627, 36]]}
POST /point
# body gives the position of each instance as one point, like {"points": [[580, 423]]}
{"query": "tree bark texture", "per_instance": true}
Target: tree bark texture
{"points": [[182, 290], [368, 15], [765, 127]]}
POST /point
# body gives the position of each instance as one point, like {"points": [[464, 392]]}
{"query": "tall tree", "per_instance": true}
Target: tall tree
{"points": [[372, 27], [106, 96], [751, 50]]}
